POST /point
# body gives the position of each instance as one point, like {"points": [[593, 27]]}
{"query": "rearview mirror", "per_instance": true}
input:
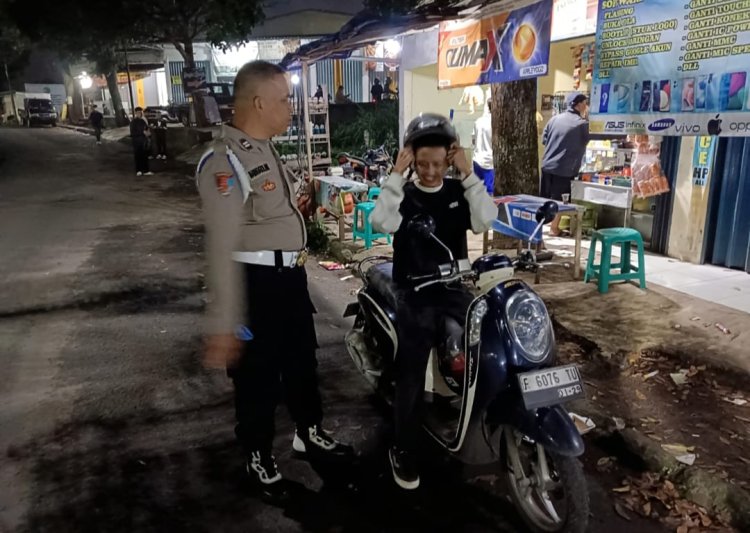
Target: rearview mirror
{"points": [[422, 225], [547, 212]]}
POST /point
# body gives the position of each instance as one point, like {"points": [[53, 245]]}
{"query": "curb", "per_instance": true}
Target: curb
{"points": [[699, 486], [79, 129]]}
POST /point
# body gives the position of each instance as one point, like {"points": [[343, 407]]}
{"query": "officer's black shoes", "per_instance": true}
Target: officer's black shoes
{"points": [[262, 469], [317, 442], [404, 469]]}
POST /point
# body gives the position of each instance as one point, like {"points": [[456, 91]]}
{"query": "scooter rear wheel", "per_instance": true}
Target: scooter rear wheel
{"points": [[548, 490]]}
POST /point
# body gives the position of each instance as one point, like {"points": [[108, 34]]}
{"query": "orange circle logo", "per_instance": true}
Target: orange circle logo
{"points": [[524, 43]]}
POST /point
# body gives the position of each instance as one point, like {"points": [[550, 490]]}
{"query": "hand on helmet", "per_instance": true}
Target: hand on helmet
{"points": [[457, 158], [404, 160]]}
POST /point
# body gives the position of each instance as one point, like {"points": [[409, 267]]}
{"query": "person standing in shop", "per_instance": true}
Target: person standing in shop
{"points": [[484, 164], [565, 138]]}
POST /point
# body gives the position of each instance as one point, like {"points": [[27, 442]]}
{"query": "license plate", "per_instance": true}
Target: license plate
{"points": [[550, 386]]}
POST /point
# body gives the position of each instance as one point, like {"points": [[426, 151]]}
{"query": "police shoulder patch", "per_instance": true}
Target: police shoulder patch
{"points": [[224, 183]]}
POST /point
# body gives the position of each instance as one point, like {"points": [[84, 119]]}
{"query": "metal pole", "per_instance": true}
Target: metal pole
{"points": [[306, 114], [130, 85], [12, 94]]}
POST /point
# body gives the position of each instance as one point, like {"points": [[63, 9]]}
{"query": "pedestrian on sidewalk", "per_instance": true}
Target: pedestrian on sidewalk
{"points": [[483, 162], [260, 316], [565, 138], [97, 122], [140, 133], [160, 136]]}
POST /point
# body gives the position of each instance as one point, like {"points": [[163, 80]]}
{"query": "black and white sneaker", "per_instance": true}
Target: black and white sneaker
{"points": [[262, 469], [404, 469], [317, 441]]}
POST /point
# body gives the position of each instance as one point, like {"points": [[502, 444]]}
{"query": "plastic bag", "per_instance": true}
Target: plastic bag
{"points": [[647, 175]]}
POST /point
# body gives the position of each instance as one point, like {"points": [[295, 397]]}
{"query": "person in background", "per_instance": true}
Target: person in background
{"points": [[376, 91], [484, 164], [456, 206], [97, 122], [160, 136], [388, 91], [341, 97], [319, 93], [565, 138], [139, 134]]}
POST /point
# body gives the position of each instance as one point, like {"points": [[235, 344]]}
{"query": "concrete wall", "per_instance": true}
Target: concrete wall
{"points": [[689, 209]]}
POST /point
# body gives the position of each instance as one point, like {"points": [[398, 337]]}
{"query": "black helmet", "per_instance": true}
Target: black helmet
{"points": [[432, 125]]}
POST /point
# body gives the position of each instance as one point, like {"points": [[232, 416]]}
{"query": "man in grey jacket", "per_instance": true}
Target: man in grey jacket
{"points": [[260, 314], [456, 206], [565, 138]]}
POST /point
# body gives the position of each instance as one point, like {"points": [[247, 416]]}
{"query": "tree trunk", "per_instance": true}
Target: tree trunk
{"points": [[114, 94], [514, 137]]}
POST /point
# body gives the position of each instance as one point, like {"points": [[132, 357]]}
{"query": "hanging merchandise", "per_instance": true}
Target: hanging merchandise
{"points": [[648, 176], [474, 97]]}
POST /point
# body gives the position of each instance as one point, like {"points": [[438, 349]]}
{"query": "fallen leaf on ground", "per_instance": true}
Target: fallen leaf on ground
{"points": [[721, 327], [736, 401], [640, 395], [619, 423], [695, 319], [679, 378], [622, 512], [746, 461], [622, 490], [650, 375], [725, 441]]}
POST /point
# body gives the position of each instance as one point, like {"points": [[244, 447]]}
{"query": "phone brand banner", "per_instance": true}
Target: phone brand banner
{"points": [[505, 47], [668, 67]]}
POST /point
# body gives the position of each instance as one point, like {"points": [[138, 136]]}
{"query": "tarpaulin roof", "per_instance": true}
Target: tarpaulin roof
{"points": [[368, 26]]}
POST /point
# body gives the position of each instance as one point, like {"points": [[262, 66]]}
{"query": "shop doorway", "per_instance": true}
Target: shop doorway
{"points": [[728, 226], [662, 204]]}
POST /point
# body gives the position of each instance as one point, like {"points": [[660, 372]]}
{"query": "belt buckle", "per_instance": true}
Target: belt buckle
{"points": [[302, 258]]}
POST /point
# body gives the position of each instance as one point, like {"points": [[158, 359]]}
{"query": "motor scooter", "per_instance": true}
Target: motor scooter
{"points": [[493, 395]]}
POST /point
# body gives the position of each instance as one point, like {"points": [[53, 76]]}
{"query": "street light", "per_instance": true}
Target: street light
{"points": [[85, 81], [295, 79], [392, 48]]}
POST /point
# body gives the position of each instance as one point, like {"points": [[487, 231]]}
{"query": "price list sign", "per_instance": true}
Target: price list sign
{"points": [[667, 67]]}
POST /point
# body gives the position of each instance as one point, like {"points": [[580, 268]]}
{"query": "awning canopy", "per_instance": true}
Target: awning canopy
{"points": [[367, 26]]}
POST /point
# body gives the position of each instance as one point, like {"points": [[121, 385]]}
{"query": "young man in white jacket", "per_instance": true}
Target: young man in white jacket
{"points": [[430, 147]]}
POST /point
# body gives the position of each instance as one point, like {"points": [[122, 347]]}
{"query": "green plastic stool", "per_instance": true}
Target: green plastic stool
{"points": [[603, 271], [365, 233]]}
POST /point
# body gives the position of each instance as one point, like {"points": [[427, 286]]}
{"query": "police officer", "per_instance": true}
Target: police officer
{"points": [[260, 313]]}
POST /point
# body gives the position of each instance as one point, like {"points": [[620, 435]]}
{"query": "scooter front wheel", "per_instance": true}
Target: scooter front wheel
{"points": [[548, 490]]}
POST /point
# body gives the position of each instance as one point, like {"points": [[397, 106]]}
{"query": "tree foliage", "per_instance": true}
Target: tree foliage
{"points": [[221, 22]]}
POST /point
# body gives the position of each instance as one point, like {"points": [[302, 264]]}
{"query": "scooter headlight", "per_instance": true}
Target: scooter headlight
{"points": [[530, 325], [475, 322]]}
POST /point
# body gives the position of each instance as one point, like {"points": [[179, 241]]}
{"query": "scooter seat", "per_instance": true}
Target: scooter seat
{"points": [[380, 278]]}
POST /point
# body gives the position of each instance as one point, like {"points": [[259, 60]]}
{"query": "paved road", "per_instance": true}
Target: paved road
{"points": [[107, 420]]}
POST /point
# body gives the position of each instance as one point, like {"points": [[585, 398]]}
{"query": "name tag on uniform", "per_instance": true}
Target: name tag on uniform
{"points": [[453, 205], [259, 171]]}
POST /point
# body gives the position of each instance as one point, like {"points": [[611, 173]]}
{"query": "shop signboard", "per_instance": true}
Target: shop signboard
{"points": [[672, 67], [504, 47], [703, 159], [194, 79], [573, 18]]}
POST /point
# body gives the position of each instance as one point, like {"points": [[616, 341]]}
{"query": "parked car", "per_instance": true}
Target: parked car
{"points": [[38, 111], [153, 114]]}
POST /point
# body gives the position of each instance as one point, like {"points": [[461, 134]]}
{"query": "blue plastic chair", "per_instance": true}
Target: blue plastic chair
{"points": [[365, 232]]}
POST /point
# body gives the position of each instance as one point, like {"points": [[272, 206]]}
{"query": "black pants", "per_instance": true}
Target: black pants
{"points": [[419, 321], [279, 360], [554, 186], [140, 150], [160, 136], [98, 133]]}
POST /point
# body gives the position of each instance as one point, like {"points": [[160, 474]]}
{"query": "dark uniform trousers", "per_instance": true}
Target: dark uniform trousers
{"points": [[140, 151], [419, 321], [280, 359]]}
